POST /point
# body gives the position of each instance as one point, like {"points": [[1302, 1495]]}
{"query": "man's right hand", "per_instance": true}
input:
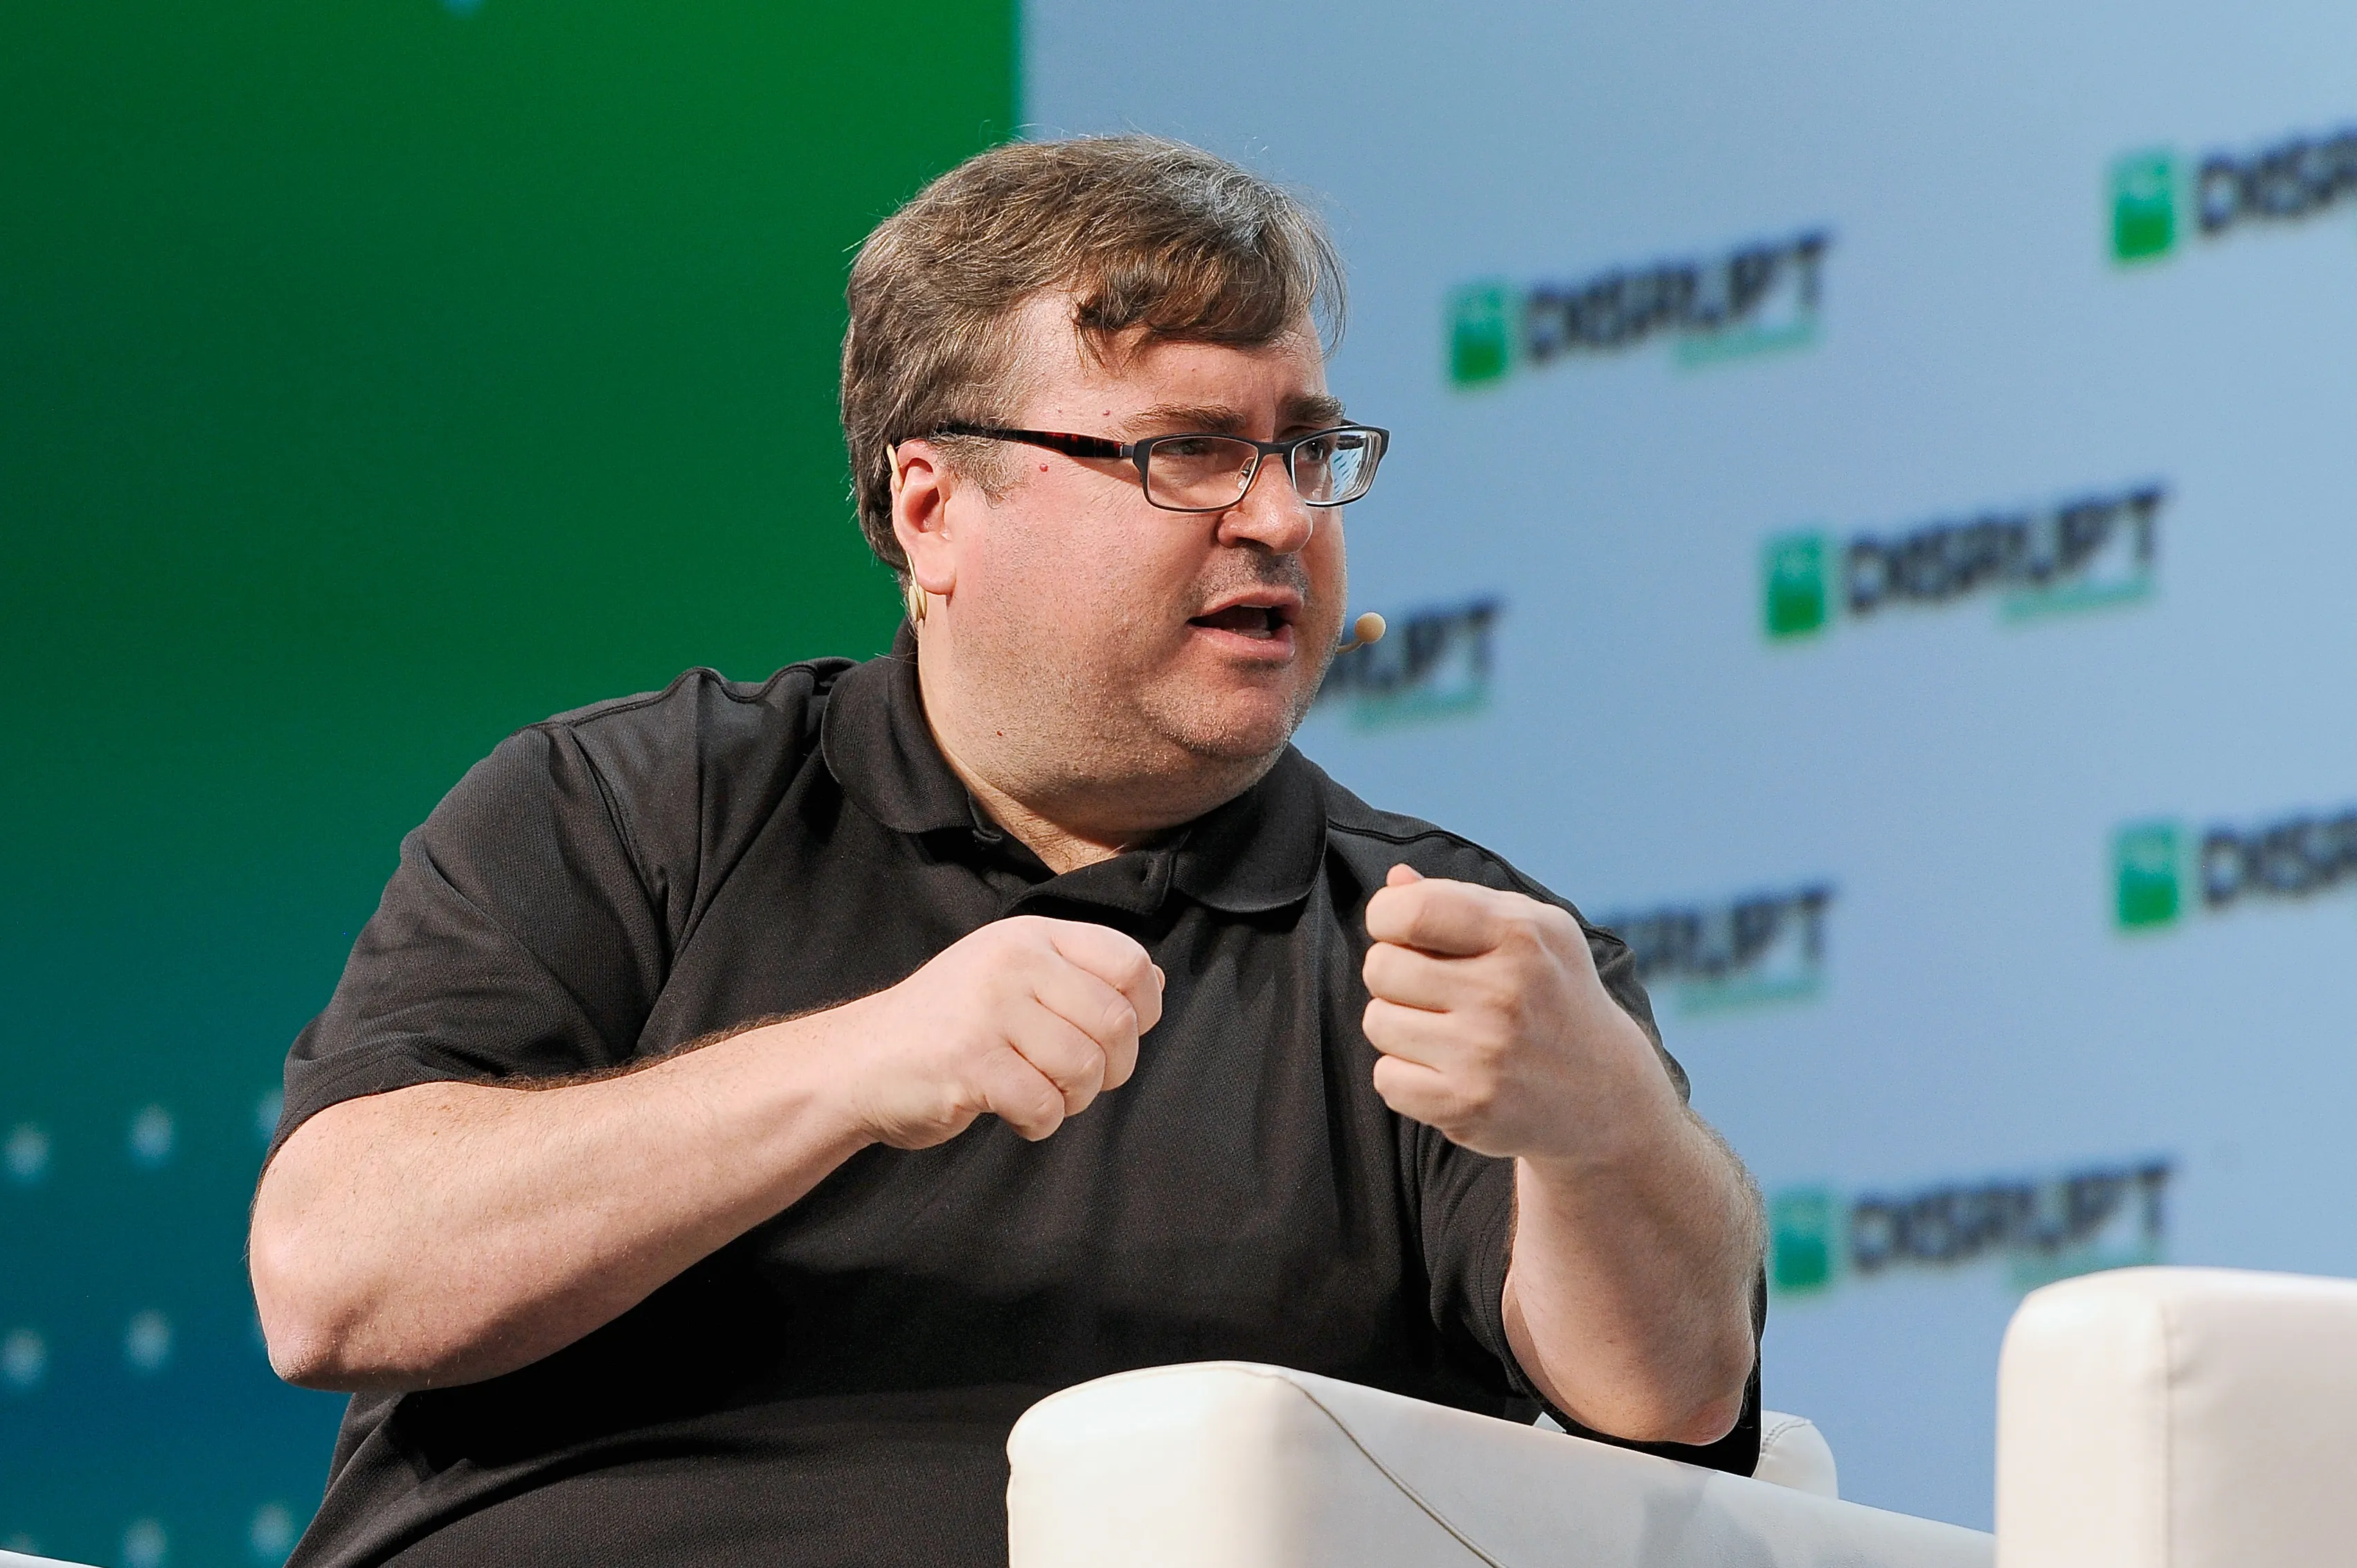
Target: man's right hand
{"points": [[1028, 1019]]}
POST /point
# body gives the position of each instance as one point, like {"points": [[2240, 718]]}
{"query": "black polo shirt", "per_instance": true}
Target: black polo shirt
{"points": [[836, 1385]]}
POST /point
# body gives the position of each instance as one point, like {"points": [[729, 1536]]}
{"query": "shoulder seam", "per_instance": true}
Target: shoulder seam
{"points": [[1335, 825], [618, 813], [646, 700], [1429, 831]]}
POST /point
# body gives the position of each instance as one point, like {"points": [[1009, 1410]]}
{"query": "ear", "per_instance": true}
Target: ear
{"points": [[922, 484]]}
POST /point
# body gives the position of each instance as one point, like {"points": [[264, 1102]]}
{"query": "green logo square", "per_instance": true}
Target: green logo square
{"points": [[1794, 570], [1801, 1240], [1481, 333], [2145, 857], [2144, 206]]}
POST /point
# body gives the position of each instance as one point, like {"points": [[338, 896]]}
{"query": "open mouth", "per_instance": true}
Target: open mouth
{"points": [[1248, 621]]}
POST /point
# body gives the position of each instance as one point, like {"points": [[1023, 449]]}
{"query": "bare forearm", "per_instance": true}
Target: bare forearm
{"points": [[451, 1232], [1628, 1298], [1636, 1231]]}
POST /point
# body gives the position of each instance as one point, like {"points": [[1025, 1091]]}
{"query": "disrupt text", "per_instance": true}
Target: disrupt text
{"points": [[2293, 179], [1957, 1223], [1625, 306], [1725, 942], [2290, 858], [2023, 550]]}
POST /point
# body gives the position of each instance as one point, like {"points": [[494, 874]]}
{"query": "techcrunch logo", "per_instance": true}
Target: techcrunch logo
{"points": [[1757, 298], [1761, 947], [2098, 1216], [2082, 554], [2300, 855], [2293, 179], [1432, 663]]}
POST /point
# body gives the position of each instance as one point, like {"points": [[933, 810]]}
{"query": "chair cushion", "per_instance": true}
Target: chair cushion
{"points": [[1240, 1466]]}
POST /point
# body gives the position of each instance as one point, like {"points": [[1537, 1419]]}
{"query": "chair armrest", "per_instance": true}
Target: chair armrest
{"points": [[1231, 1464], [1793, 1453], [2159, 1418]]}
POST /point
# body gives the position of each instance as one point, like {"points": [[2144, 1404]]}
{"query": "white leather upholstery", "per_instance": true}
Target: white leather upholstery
{"points": [[1793, 1453], [2180, 1418], [1229, 1464]]}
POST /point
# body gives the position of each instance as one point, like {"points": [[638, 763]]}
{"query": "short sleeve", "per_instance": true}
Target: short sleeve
{"points": [[1466, 1211], [516, 938], [1466, 1201]]}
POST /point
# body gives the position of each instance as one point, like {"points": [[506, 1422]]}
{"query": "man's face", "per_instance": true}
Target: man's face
{"points": [[1150, 637]]}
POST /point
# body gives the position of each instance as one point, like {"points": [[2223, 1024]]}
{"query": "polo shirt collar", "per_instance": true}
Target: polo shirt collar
{"points": [[1257, 853]]}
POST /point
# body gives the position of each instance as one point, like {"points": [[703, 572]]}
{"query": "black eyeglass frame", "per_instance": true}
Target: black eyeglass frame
{"points": [[1137, 454]]}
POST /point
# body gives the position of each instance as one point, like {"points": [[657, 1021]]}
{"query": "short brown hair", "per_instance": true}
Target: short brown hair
{"points": [[1143, 234]]}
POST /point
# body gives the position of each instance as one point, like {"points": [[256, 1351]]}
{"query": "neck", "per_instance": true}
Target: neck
{"points": [[1019, 764], [1061, 848]]}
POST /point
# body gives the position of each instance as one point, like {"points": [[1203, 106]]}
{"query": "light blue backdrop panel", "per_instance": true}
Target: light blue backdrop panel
{"points": [[1872, 510]]}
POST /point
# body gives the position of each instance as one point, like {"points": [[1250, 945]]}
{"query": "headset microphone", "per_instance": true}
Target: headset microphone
{"points": [[1367, 628]]}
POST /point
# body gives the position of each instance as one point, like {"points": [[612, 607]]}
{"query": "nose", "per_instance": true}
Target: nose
{"points": [[1270, 514]]}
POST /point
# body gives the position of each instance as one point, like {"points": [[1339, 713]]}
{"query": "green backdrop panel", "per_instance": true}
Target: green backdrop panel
{"points": [[374, 378]]}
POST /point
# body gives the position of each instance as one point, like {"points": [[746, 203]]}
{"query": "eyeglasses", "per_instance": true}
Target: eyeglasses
{"points": [[1212, 473]]}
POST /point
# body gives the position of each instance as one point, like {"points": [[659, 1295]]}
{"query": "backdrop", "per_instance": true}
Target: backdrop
{"points": [[1870, 517], [374, 378]]}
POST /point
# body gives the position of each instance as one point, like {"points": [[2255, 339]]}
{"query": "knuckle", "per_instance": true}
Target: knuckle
{"points": [[1037, 1113], [1033, 934], [1120, 1021]]}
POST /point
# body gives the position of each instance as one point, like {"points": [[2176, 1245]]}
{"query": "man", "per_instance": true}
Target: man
{"points": [[749, 1098]]}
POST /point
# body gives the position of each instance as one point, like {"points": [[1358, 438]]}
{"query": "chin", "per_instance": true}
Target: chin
{"points": [[1236, 727]]}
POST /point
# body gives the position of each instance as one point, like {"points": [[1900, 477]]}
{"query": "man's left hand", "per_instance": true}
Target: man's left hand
{"points": [[1495, 1027]]}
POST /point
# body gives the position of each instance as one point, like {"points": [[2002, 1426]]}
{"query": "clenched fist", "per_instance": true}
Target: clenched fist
{"points": [[1495, 1027], [1028, 1019]]}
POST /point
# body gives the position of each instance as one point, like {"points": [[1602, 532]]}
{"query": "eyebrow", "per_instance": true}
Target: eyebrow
{"points": [[1311, 409]]}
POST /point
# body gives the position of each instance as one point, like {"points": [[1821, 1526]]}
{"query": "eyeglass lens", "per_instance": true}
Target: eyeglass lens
{"points": [[1203, 472]]}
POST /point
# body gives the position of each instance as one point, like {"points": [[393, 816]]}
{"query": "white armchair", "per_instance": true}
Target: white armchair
{"points": [[2146, 1418], [2180, 1418], [1240, 1466]]}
